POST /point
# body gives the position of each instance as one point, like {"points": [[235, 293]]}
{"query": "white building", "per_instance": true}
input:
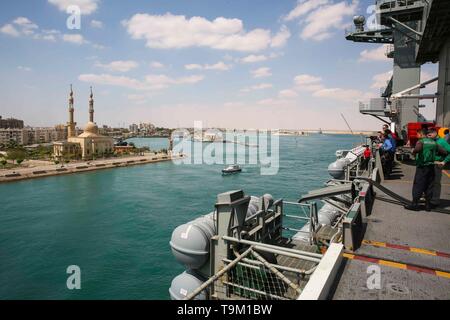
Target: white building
{"points": [[87, 145]]}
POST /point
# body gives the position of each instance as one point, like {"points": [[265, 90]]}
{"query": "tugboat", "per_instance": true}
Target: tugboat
{"points": [[232, 169]]}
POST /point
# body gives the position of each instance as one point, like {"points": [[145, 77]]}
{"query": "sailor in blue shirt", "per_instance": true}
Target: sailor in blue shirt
{"points": [[387, 145]]}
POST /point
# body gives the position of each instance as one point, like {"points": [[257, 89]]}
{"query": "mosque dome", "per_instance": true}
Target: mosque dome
{"points": [[91, 127]]}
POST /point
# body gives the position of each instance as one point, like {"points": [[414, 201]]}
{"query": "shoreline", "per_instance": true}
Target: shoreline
{"points": [[21, 174]]}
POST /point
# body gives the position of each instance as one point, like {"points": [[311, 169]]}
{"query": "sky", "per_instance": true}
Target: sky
{"points": [[228, 63]]}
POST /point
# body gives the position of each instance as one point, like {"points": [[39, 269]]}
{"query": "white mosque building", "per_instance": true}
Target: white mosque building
{"points": [[89, 144]]}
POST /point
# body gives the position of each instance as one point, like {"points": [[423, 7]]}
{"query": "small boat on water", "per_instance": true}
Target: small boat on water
{"points": [[232, 169]]}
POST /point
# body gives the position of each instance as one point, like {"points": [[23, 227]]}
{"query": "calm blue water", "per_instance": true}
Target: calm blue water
{"points": [[116, 224]]}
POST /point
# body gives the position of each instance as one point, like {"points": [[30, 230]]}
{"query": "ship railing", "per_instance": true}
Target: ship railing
{"points": [[392, 4], [306, 215], [250, 274]]}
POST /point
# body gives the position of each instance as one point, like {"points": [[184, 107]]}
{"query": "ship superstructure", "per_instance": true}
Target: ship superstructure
{"points": [[414, 32]]}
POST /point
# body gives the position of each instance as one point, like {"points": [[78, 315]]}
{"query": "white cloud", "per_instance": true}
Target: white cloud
{"points": [[20, 26], [106, 79], [156, 64], [96, 24], [261, 73], [49, 35], [118, 66], [22, 68], [321, 22], [346, 95], [261, 86], [219, 66], [10, 30], [74, 38], [87, 6], [273, 102], [23, 26], [176, 31], [381, 80], [377, 54], [27, 27], [303, 7], [151, 82], [193, 66], [320, 18], [315, 86], [97, 46], [305, 80], [280, 39], [253, 58], [287, 94]]}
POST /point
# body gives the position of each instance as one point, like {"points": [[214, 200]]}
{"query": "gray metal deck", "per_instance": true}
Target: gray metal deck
{"points": [[391, 223]]}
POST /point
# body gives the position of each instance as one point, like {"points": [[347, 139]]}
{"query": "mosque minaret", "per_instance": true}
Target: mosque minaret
{"points": [[91, 107], [71, 125]]}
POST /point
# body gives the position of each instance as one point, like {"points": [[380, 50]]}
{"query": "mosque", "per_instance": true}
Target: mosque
{"points": [[89, 144]]}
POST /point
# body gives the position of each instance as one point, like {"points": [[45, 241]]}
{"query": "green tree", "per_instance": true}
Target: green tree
{"points": [[12, 145], [18, 155]]}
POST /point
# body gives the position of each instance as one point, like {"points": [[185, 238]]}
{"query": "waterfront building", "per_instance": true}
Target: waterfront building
{"points": [[146, 129], [11, 123], [134, 128], [19, 136], [29, 135], [87, 145]]}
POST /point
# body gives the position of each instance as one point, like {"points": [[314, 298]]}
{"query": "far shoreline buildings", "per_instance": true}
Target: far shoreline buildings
{"points": [[87, 145]]}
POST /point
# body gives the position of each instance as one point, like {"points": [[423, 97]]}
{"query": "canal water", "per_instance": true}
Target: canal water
{"points": [[116, 224]]}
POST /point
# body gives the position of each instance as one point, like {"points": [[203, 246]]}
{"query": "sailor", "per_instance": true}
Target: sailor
{"points": [[393, 138], [440, 162], [392, 135], [425, 154], [366, 158], [388, 154]]}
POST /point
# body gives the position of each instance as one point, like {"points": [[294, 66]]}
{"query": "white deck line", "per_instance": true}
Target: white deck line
{"points": [[318, 286]]}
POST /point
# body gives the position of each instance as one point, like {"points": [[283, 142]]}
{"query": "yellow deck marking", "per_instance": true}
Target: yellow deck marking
{"points": [[393, 264], [374, 243], [423, 251], [443, 274], [348, 256], [411, 249]]}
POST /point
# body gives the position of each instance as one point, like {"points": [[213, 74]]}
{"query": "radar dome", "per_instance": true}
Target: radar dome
{"points": [[359, 20]]}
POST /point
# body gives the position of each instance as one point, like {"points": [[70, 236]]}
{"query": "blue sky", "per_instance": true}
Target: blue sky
{"points": [[235, 64]]}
